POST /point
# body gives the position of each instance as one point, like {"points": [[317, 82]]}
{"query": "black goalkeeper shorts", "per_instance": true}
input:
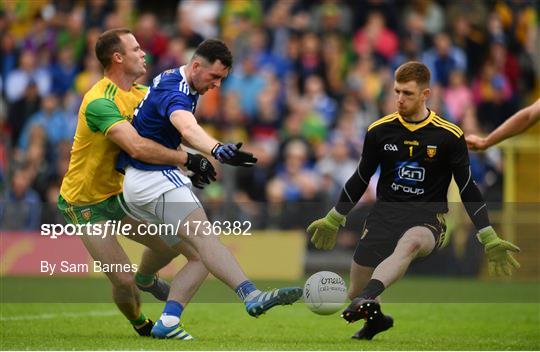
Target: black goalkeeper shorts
{"points": [[380, 236]]}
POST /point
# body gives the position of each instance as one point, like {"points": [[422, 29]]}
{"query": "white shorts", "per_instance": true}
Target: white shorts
{"points": [[160, 197]]}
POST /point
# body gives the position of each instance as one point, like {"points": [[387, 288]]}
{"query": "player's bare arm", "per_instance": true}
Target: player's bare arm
{"points": [[516, 124], [192, 133], [127, 138]]}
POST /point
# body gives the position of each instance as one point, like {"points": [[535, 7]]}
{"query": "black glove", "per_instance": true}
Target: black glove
{"points": [[203, 170], [199, 181], [239, 158]]}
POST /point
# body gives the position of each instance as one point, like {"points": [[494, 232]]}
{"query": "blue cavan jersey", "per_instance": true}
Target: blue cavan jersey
{"points": [[169, 92]]}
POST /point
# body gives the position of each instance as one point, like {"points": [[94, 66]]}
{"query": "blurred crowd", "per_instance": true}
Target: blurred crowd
{"points": [[308, 78]]}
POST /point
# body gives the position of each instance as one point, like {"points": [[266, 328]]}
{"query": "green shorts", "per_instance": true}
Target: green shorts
{"points": [[109, 209]]}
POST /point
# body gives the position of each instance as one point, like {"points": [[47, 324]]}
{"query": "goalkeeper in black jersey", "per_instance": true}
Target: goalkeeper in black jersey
{"points": [[418, 153]]}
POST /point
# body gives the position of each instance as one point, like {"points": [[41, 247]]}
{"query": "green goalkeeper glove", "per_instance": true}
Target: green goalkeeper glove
{"points": [[324, 231], [500, 260]]}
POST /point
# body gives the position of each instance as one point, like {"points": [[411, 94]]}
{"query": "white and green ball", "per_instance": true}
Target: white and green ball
{"points": [[325, 293]]}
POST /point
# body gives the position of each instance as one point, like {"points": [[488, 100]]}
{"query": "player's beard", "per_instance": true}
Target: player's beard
{"points": [[410, 113], [405, 113]]}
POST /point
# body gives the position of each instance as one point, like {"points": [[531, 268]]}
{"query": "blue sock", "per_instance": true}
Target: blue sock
{"points": [[171, 313], [244, 289]]}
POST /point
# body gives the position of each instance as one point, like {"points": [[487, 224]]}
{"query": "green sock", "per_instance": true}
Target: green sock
{"points": [[139, 321], [144, 280]]}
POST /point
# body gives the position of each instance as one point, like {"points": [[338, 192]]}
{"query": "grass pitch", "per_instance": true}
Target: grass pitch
{"points": [[226, 326]]}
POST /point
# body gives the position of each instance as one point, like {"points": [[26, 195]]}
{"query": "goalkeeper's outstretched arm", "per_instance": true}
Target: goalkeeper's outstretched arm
{"points": [[471, 197], [498, 251]]}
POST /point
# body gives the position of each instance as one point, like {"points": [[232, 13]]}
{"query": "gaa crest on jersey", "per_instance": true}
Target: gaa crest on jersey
{"points": [[86, 214], [431, 150]]}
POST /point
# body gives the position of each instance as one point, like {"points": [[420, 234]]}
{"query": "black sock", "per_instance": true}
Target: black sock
{"points": [[373, 289]]}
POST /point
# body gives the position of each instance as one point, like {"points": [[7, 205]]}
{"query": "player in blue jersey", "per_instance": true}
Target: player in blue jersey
{"points": [[161, 194]]}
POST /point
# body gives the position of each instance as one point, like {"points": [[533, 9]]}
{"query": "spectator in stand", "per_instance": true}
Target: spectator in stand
{"points": [[247, 83], [376, 38], [92, 35], [64, 71], [174, 56], [304, 122], [238, 16], [492, 93], [431, 13], [40, 36], [20, 111], [150, 37], [443, 58], [415, 29], [362, 9], [319, 99], [55, 124], [251, 183], [264, 59], [294, 183], [202, 15], [475, 12], [21, 209], [457, 97], [472, 41], [335, 57], [520, 20], [96, 11], [410, 50], [278, 23], [19, 79], [505, 62], [365, 79], [264, 128], [339, 158], [73, 34], [233, 125], [309, 62], [184, 30], [9, 54], [331, 16]]}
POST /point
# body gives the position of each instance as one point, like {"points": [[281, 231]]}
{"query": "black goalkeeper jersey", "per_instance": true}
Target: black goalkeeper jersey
{"points": [[416, 160]]}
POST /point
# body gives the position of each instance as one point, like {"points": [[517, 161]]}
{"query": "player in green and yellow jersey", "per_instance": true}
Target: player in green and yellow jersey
{"points": [[91, 190]]}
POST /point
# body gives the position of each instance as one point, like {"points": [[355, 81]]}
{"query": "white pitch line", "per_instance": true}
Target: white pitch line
{"points": [[46, 316]]}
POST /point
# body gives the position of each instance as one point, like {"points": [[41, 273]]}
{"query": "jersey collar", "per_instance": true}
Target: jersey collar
{"points": [[416, 126], [183, 74], [107, 80]]}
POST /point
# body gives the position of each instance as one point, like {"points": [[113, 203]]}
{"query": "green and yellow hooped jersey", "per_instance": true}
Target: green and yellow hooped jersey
{"points": [[91, 176]]}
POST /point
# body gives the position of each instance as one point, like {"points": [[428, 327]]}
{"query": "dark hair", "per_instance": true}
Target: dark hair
{"points": [[413, 71], [109, 43], [214, 49]]}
